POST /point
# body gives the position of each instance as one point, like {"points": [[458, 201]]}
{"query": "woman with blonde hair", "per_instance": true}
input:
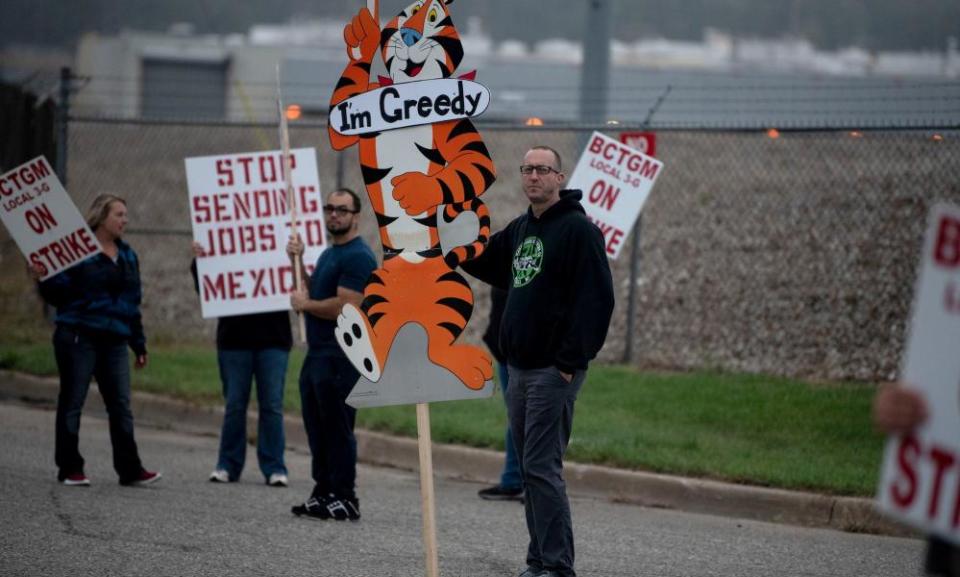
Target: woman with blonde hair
{"points": [[98, 317]]}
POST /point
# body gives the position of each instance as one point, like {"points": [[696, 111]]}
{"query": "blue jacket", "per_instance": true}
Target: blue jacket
{"points": [[101, 296]]}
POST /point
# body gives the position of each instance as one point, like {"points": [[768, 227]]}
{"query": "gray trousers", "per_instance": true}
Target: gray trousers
{"points": [[540, 408]]}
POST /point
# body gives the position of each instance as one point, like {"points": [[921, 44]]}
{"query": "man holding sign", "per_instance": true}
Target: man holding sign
{"points": [[920, 478], [327, 377], [551, 262], [900, 410]]}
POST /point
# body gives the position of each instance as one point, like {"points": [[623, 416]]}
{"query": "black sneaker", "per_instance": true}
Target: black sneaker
{"points": [[344, 508], [329, 507], [500, 493]]}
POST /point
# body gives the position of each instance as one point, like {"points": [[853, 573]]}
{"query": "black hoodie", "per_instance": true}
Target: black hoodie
{"points": [[560, 291]]}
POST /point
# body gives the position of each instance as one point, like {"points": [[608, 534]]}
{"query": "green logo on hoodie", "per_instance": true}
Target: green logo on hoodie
{"points": [[527, 261]]}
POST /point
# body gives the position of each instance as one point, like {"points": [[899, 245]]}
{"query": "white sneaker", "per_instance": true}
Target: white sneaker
{"points": [[219, 476], [278, 480]]}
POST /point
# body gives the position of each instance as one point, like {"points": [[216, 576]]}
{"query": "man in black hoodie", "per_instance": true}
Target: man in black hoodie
{"points": [[552, 262]]}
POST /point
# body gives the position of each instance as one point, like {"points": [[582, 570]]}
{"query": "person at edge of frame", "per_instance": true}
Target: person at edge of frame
{"points": [[900, 409]]}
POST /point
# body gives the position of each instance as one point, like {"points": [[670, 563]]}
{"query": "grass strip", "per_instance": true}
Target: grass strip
{"points": [[736, 427]]}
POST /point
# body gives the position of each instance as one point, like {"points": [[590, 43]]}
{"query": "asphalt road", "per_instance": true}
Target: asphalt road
{"points": [[184, 525]]}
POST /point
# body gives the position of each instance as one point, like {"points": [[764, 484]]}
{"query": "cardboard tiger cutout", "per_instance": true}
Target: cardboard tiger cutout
{"points": [[418, 179]]}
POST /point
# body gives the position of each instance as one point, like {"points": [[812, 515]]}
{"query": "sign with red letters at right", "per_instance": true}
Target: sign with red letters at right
{"points": [[616, 180], [43, 220], [920, 479]]}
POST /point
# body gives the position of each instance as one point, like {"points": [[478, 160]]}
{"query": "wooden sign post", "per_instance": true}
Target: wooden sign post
{"points": [[291, 200]]}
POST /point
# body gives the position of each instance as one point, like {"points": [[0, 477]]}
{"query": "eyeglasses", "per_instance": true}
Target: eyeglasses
{"points": [[528, 169], [340, 210]]}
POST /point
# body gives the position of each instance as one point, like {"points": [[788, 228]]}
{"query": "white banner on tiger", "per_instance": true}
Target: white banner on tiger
{"points": [[920, 479], [409, 104], [238, 207], [616, 181], [42, 219]]}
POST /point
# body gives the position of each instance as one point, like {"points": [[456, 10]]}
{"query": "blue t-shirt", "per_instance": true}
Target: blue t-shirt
{"points": [[347, 265]]}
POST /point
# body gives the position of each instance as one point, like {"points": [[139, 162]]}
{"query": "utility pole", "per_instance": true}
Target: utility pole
{"points": [[595, 72], [63, 114]]}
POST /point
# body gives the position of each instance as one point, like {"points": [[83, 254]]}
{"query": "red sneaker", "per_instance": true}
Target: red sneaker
{"points": [[144, 478], [76, 480]]}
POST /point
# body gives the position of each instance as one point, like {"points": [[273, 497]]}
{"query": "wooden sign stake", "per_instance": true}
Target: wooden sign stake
{"points": [[291, 199], [426, 490]]}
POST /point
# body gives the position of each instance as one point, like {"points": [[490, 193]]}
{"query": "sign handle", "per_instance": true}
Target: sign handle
{"points": [[426, 490], [291, 200]]}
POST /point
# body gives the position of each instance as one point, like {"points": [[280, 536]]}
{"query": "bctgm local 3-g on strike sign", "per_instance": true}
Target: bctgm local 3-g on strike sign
{"points": [[42, 219], [920, 480], [238, 207], [616, 180]]}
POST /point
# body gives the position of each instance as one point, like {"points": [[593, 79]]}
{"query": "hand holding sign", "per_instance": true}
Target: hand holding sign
{"points": [[920, 481]]}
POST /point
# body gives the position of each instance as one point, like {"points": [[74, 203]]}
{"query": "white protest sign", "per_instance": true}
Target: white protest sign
{"points": [[409, 104], [920, 479], [42, 219], [238, 208], [616, 180]]}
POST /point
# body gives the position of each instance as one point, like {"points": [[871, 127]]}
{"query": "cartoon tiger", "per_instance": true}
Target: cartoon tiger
{"points": [[412, 175]]}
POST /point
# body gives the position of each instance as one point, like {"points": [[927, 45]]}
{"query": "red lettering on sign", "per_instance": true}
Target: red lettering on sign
{"points": [[943, 460], [201, 208], [23, 176], [63, 252], [603, 195], [622, 156], [904, 493], [243, 239], [40, 219], [308, 199], [225, 171], [268, 170], [245, 161], [612, 236], [946, 251], [247, 170], [224, 286], [596, 144]]}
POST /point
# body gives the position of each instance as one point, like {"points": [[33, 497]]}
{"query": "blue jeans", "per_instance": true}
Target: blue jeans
{"points": [[510, 477], [237, 370], [81, 355]]}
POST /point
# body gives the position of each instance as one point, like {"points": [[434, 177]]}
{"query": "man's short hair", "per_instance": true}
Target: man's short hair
{"points": [[353, 195], [555, 154]]}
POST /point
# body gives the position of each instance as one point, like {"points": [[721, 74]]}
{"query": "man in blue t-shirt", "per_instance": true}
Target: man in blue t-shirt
{"points": [[327, 376]]}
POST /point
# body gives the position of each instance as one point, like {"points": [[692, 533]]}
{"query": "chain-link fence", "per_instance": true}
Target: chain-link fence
{"points": [[792, 253]]}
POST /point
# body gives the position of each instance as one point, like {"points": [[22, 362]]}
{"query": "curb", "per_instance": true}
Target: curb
{"points": [[482, 465]]}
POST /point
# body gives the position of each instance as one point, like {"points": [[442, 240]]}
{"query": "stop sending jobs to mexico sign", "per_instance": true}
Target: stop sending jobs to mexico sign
{"points": [[42, 219], [920, 479], [238, 207], [616, 180]]}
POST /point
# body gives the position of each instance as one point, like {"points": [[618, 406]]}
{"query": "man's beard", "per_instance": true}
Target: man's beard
{"points": [[335, 231]]}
